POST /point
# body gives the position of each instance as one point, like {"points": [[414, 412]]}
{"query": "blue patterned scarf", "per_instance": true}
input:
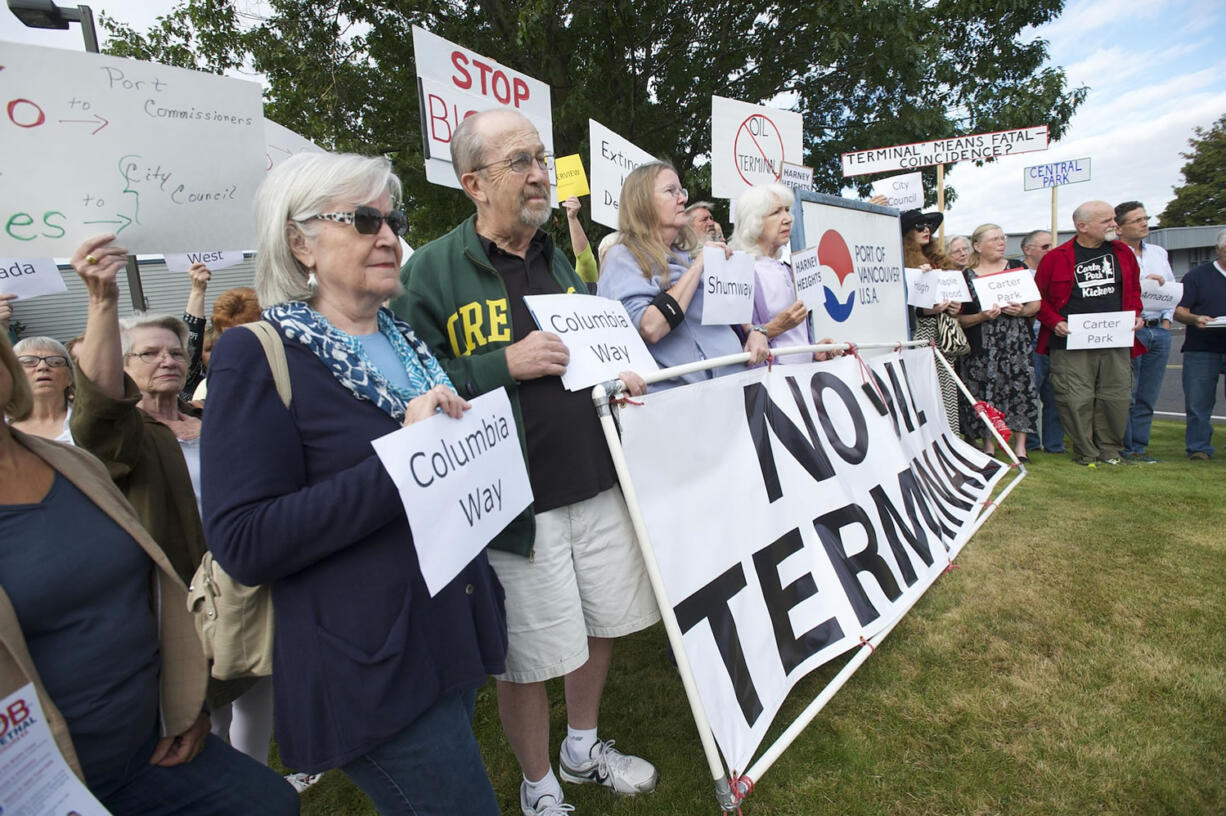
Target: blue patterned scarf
{"points": [[348, 362]]}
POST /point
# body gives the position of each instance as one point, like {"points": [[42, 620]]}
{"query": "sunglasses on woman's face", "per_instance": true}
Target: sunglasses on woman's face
{"points": [[368, 220]]}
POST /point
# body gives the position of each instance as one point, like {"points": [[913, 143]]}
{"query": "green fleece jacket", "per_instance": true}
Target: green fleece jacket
{"points": [[456, 302]]}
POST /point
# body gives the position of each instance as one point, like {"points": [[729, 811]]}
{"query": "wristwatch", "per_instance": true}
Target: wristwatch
{"points": [[762, 329]]}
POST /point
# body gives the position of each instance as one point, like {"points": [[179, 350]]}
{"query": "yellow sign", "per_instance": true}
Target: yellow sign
{"points": [[572, 181]]}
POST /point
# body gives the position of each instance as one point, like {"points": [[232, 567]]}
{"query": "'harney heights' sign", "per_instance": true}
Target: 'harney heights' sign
{"points": [[977, 147]]}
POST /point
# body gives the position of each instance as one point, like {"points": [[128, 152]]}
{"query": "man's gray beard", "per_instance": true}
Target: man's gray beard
{"points": [[1111, 235], [534, 218]]}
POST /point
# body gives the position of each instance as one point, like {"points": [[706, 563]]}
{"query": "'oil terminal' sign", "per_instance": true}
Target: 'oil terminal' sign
{"points": [[977, 147]]}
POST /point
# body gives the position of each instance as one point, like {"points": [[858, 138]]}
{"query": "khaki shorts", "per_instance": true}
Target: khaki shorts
{"points": [[584, 579]]}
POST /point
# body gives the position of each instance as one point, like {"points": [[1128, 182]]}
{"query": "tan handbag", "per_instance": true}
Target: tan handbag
{"points": [[235, 622]]}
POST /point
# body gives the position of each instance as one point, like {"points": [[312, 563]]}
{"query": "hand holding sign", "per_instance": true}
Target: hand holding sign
{"points": [[1101, 330], [596, 333], [1159, 296], [540, 354]]}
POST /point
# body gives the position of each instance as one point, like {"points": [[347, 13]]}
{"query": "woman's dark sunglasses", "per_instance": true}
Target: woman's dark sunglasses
{"points": [[368, 220]]}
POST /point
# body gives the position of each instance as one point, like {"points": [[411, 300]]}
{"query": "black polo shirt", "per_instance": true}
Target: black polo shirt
{"points": [[568, 459]]}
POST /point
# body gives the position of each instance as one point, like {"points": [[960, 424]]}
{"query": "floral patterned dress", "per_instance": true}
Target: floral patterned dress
{"points": [[999, 370]]}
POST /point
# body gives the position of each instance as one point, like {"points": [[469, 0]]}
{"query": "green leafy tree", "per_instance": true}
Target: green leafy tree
{"points": [[1201, 199], [863, 74]]}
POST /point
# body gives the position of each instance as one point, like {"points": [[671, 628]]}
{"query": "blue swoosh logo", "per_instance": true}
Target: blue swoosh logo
{"points": [[839, 311]]}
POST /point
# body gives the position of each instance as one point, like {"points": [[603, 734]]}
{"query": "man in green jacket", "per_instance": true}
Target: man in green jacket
{"points": [[570, 564]]}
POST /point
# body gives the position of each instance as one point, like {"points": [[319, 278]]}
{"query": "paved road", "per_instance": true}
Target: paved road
{"points": [[1171, 398]]}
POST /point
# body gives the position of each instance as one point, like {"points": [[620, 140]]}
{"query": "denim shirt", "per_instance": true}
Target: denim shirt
{"points": [[621, 278]]}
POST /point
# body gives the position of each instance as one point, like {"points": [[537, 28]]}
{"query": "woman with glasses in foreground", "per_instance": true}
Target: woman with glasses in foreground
{"points": [[649, 270], [380, 677], [48, 367]]}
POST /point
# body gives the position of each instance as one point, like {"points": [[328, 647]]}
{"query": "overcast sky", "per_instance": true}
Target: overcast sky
{"points": [[1155, 71]]}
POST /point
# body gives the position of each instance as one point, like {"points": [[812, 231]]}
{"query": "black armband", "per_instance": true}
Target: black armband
{"points": [[670, 308]]}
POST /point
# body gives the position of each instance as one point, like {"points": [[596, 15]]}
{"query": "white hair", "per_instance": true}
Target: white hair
{"points": [[752, 207], [303, 185], [127, 325]]}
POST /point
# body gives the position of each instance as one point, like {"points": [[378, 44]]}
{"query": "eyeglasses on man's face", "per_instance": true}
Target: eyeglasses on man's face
{"points": [[52, 360], [367, 220], [521, 163], [1136, 221], [151, 356]]}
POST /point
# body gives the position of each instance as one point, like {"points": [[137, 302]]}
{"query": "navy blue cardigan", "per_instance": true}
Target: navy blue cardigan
{"points": [[297, 499]]}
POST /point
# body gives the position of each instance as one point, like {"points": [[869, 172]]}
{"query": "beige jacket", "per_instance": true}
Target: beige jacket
{"points": [[183, 671]]}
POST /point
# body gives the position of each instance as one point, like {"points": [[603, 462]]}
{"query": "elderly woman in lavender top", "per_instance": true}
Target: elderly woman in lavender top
{"points": [[764, 228]]}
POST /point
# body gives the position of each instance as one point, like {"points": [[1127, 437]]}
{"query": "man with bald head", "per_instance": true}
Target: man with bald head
{"points": [[570, 564], [1092, 273]]}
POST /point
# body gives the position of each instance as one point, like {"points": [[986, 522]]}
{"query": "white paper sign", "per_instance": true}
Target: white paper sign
{"points": [[281, 143], [1056, 174], [859, 256], [806, 270], [34, 778], [728, 285], [797, 176], [951, 285], [611, 160], [976, 147], [749, 144], [30, 277], [166, 158], [1160, 297], [215, 260], [921, 287], [905, 192], [1101, 330], [453, 82], [461, 482], [1003, 288], [598, 333], [822, 539]]}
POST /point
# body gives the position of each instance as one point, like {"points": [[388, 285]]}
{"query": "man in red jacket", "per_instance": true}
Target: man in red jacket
{"points": [[1093, 273]]}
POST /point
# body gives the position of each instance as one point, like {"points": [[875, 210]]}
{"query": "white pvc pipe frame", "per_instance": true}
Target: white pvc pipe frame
{"points": [[728, 798]]}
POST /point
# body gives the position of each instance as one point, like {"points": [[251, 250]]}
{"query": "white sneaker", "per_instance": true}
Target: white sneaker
{"points": [[547, 805], [607, 766], [302, 781]]}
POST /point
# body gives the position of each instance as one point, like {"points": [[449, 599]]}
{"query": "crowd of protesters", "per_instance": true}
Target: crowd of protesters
{"points": [[277, 479]]}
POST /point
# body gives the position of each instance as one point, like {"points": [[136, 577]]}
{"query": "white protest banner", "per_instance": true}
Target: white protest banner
{"points": [[951, 285], [1160, 297], [30, 277], [1101, 330], [921, 287], [166, 158], [859, 256], [280, 143], [977, 147], [728, 285], [839, 517], [750, 143], [808, 277], [453, 82], [1055, 174], [34, 778], [796, 176], [461, 482], [611, 160], [597, 332], [215, 260], [1003, 288], [905, 192]]}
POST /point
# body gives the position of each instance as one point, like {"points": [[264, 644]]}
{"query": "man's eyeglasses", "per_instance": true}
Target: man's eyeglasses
{"points": [[521, 163], [1136, 222], [155, 355], [52, 360], [676, 192], [367, 220]]}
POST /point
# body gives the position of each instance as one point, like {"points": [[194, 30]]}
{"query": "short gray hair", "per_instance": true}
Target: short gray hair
{"points": [[42, 343], [752, 207], [1221, 242], [1029, 238], [302, 186], [949, 245], [700, 205], [127, 325], [467, 146]]}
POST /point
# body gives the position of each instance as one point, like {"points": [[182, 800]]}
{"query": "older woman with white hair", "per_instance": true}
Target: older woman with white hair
{"points": [[48, 367], [128, 413], [381, 675], [764, 228]]}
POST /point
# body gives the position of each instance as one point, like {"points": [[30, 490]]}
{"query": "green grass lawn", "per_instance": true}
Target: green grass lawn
{"points": [[1074, 664]]}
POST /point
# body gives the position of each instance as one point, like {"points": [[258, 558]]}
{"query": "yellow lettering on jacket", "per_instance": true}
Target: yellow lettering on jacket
{"points": [[465, 327]]}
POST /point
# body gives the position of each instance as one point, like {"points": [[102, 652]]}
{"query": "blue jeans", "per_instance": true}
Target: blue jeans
{"points": [[1147, 373], [220, 781], [431, 768], [1051, 432], [1201, 370]]}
